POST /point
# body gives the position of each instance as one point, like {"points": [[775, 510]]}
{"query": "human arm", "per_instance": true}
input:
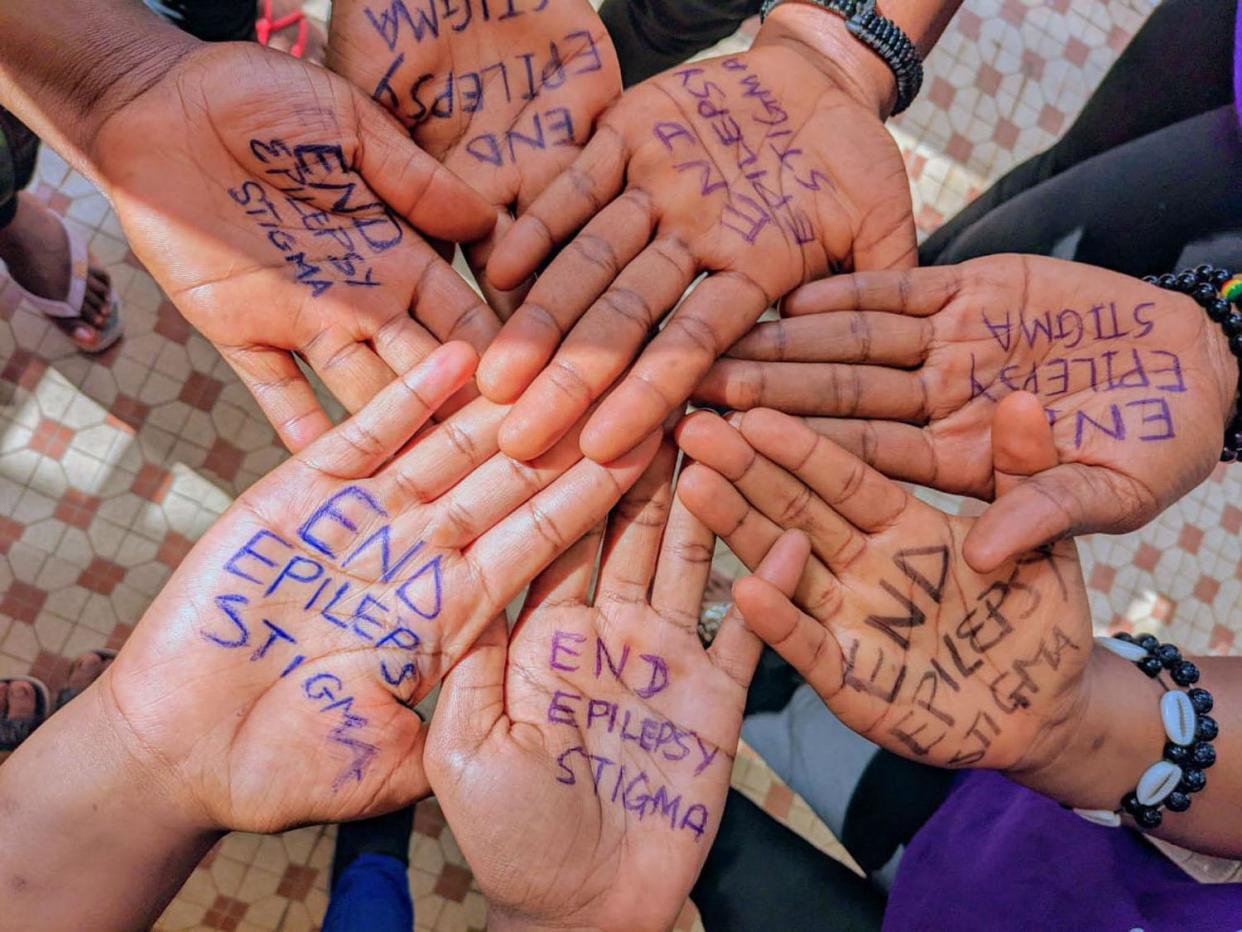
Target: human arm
{"points": [[503, 94], [928, 658], [907, 368], [583, 773], [271, 682], [274, 203]]}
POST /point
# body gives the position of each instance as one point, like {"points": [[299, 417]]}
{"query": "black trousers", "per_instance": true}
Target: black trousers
{"points": [[1149, 177], [209, 20]]}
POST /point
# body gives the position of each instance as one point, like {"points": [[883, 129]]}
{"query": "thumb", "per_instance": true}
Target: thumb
{"points": [[1021, 441], [415, 185], [1068, 499], [472, 698]]}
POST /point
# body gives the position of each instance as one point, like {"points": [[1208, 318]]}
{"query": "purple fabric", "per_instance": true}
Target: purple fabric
{"points": [[997, 856], [1237, 64]]}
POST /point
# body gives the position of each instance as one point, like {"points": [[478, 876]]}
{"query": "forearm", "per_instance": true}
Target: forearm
{"points": [[88, 840], [822, 36], [67, 65], [1115, 733]]}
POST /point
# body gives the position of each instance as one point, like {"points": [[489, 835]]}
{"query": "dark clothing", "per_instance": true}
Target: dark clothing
{"points": [[1149, 177], [209, 20], [653, 35], [18, 149]]}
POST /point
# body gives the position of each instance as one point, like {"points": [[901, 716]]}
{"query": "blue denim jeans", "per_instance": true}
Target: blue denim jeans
{"points": [[371, 895]]}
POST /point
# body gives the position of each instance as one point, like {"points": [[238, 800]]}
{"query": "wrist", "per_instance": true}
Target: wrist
{"points": [[820, 37], [1110, 733], [67, 66], [90, 830]]}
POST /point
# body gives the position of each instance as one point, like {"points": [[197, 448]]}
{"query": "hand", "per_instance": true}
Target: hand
{"points": [[584, 774], [1137, 381], [905, 643], [270, 683], [763, 169], [270, 200], [504, 94]]}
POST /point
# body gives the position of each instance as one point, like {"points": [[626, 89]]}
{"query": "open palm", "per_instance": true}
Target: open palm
{"points": [[593, 760], [732, 166], [273, 202], [504, 94], [1136, 381], [276, 671], [905, 643]]}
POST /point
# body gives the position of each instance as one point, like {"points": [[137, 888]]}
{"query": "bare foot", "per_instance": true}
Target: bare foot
{"points": [[35, 247], [315, 41], [17, 700]]}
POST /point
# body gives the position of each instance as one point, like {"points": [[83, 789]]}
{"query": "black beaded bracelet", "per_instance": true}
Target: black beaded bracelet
{"points": [[1215, 289], [1188, 752], [882, 36]]}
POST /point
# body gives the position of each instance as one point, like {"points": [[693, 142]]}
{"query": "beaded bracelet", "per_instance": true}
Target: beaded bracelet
{"points": [[1213, 289], [1169, 782]]}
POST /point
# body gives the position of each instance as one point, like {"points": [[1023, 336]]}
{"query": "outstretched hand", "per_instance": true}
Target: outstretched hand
{"points": [[759, 169], [584, 772], [905, 643], [271, 682], [274, 203], [1137, 382], [504, 94]]}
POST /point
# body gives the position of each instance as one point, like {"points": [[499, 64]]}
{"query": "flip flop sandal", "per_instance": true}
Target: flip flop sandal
{"points": [[265, 25], [16, 730], [67, 314], [72, 692]]}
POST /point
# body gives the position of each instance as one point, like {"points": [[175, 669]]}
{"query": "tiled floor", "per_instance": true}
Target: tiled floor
{"points": [[110, 468]]}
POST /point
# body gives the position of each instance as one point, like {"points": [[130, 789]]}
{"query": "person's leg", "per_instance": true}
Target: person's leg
{"points": [[25, 703], [760, 875], [1192, 39], [873, 801], [370, 886], [1139, 208], [34, 244]]}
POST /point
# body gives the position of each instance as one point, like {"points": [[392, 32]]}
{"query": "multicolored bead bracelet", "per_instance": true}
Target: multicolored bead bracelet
{"points": [[1188, 752], [1215, 290]]}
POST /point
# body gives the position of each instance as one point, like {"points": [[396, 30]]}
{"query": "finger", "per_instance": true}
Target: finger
{"points": [[916, 292], [451, 309], [713, 317], [842, 481], [503, 302], [807, 645], [358, 447], [1022, 443], [283, 393], [450, 450], [494, 490], [736, 648], [402, 343], [352, 371], [514, 551], [577, 194], [575, 279], [635, 528], [816, 389], [786, 501], [472, 695], [599, 348], [872, 339], [748, 533], [567, 580], [899, 451], [414, 184], [1065, 500], [683, 567]]}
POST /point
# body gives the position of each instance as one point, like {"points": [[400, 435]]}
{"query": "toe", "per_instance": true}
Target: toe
{"points": [[21, 700], [85, 670]]}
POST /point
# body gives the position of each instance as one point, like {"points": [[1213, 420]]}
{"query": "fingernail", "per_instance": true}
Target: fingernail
{"points": [[734, 418]]}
